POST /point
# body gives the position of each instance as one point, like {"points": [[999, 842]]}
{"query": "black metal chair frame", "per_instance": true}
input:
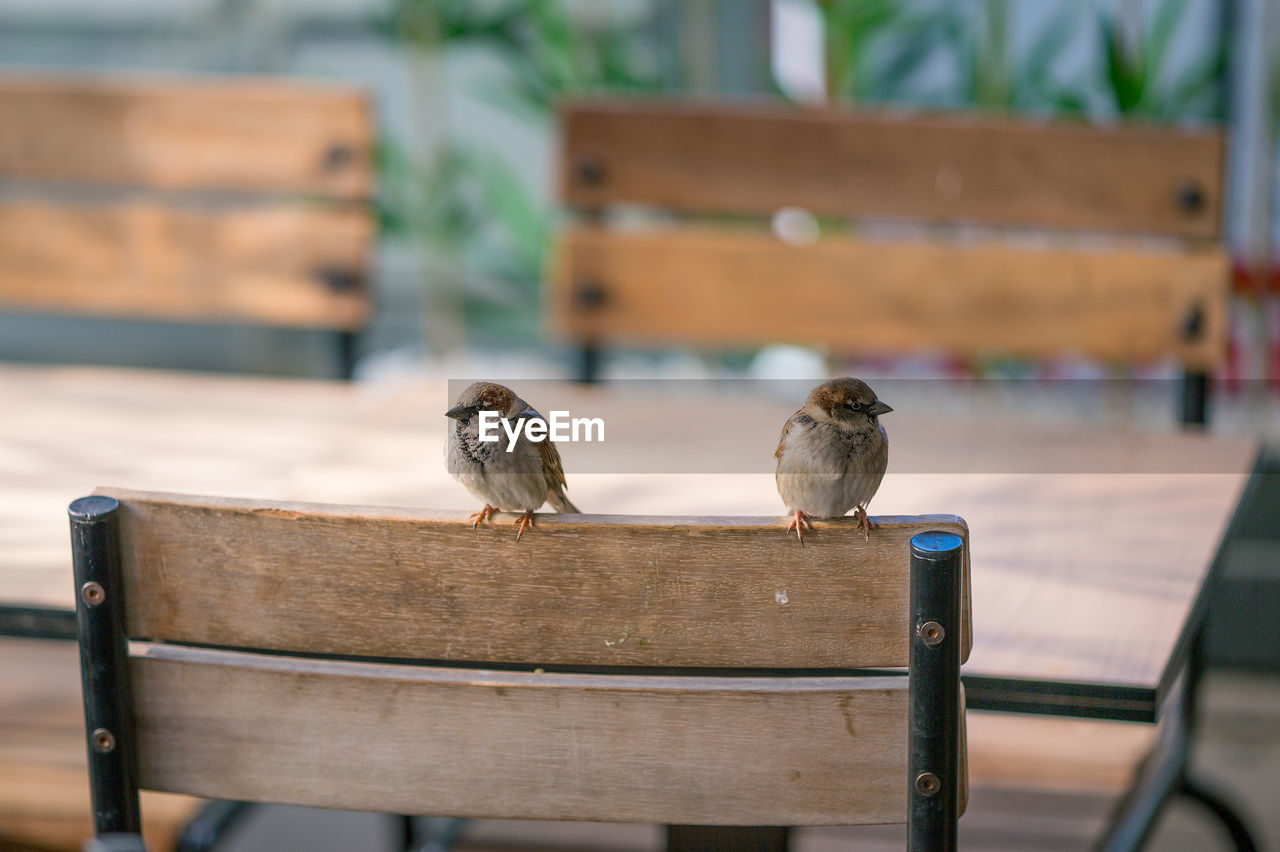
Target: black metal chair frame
{"points": [[934, 733]]}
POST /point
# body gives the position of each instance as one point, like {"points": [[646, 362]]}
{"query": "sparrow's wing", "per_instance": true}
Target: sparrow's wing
{"points": [[786, 427]]}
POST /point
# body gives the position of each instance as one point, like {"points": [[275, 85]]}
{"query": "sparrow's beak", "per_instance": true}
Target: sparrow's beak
{"points": [[457, 412], [529, 414], [877, 408]]}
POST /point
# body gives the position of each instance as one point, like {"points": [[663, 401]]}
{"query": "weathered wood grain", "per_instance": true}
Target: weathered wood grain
{"points": [[585, 590], [755, 159], [286, 265], [409, 739], [721, 287], [243, 135]]}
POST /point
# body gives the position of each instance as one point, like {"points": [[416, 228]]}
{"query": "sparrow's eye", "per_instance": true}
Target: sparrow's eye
{"points": [[855, 406]]}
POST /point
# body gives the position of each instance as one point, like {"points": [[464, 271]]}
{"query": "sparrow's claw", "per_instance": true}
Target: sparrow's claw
{"points": [[483, 515], [523, 522], [800, 520], [864, 520]]}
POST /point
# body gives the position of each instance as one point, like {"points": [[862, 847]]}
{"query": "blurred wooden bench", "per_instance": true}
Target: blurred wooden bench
{"points": [[1157, 290], [192, 200], [624, 669]]}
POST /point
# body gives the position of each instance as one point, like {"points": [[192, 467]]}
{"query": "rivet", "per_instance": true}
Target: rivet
{"points": [[931, 633], [1190, 197], [927, 784], [338, 156], [589, 296], [103, 741], [92, 593], [589, 170]]}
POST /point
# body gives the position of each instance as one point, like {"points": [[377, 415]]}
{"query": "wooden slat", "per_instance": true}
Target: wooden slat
{"points": [[408, 739], [579, 589], [718, 287], [277, 264], [253, 135], [717, 158]]}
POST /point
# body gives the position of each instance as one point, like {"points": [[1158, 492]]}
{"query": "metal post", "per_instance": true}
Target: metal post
{"points": [[934, 692], [1195, 398], [104, 672], [346, 350]]}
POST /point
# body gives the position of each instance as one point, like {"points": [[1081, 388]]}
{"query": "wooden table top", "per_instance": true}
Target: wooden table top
{"points": [[1089, 548]]}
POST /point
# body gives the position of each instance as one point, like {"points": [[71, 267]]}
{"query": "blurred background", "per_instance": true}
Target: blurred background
{"points": [[391, 170], [466, 137]]}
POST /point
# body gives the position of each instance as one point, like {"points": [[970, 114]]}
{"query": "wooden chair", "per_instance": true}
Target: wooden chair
{"points": [[982, 294], [694, 671], [188, 200]]}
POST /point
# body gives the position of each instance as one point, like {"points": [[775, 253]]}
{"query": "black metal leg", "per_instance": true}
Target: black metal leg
{"points": [[727, 838], [933, 782], [211, 824], [1220, 808], [405, 835], [346, 347], [1195, 398], [104, 672], [589, 363]]}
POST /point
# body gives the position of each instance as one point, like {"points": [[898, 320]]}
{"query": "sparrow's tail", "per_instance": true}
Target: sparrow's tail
{"points": [[561, 503]]}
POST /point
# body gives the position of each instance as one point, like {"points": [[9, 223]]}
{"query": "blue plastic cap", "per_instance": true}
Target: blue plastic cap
{"points": [[935, 543]]}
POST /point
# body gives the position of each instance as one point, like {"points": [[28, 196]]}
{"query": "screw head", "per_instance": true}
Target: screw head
{"points": [[1190, 197], [92, 594], [589, 296], [103, 741], [589, 171], [928, 784], [931, 633]]}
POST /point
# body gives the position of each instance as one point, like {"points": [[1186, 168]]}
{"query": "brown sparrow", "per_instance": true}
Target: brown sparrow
{"points": [[833, 454], [520, 480]]}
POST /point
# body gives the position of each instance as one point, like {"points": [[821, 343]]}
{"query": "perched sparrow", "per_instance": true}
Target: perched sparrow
{"points": [[517, 481], [833, 454]]}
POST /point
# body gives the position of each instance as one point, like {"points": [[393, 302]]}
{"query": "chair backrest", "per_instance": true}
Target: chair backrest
{"points": [[211, 200], [706, 284], [678, 670]]}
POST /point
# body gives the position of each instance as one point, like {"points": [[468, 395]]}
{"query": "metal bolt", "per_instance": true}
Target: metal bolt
{"points": [[589, 170], [338, 156], [927, 784], [931, 633], [92, 593], [589, 296], [1190, 197], [1193, 324], [103, 741]]}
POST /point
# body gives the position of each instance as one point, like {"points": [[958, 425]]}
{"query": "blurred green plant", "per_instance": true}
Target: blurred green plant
{"points": [[468, 203], [1136, 73]]}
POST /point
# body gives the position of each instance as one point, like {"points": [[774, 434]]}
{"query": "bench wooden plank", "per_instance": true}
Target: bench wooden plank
{"points": [[613, 748], [287, 265], [754, 159], [709, 287], [584, 590], [243, 134]]}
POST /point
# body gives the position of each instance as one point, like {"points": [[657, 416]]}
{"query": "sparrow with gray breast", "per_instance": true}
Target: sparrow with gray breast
{"points": [[832, 454], [517, 481]]}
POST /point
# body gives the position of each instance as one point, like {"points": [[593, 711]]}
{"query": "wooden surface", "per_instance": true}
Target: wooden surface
{"points": [[1090, 526], [229, 134], [587, 590], [1087, 545], [755, 159], [44, 781], [972, 300], [283, 264], [407, 739]]}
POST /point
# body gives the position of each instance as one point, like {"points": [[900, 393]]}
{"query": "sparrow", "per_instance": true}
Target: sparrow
{"points": [[832, 454], [517, 481]]}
